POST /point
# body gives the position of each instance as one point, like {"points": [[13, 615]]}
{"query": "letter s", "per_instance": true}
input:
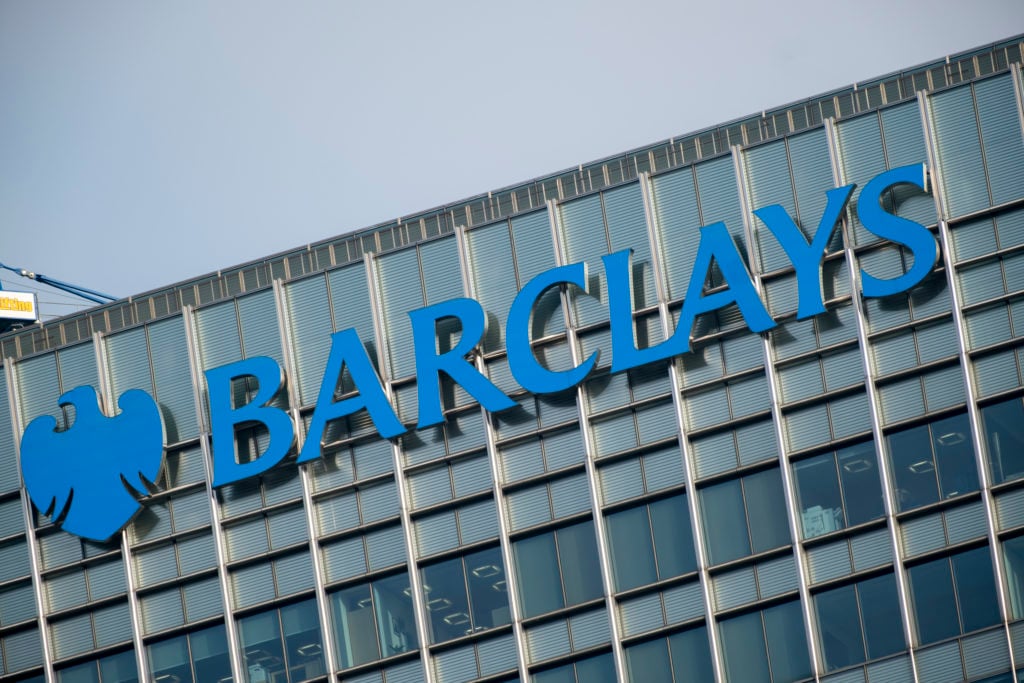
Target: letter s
{"points": [[914, 236]]}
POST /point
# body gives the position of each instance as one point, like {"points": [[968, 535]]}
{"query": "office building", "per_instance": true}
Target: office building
{"points": [[837, 498]]}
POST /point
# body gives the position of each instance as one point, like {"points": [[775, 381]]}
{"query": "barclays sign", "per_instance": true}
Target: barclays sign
{"points": [[90, 477]]}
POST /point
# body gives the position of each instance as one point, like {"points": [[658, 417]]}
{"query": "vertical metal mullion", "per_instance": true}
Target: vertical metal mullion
{"points": [[469, 289], [292, 372], [696, 516], [383, 362], [1017, 75], [109, 405], [973, 415], [888, 489], [590, 453], [788, 486], [195, 368], [30, 531]]}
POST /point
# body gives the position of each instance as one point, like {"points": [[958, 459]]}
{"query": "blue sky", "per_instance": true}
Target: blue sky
{"points": [[146, 143]]}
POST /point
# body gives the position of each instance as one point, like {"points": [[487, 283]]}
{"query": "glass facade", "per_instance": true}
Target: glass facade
{"points": [[838, 499]]}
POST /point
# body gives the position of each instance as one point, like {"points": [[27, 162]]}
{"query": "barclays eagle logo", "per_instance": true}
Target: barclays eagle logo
{"points": [[89, 477]]}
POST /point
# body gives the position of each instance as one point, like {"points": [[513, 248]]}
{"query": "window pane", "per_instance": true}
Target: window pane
{"points": [[1004, 437], [673, 537], [396, 623], [883, 624], [540, 587], [954, 456], [629, 536], [743, 643], [600, 669], [914, 468], [649, 662], [446, 602], [820, 501], [354, 630], [488, 594], [787, 644], [931, 585], [766, 510], [839, 623], [691, 656], [577, 550], [862, 488], [976, 588], [727, 537]]}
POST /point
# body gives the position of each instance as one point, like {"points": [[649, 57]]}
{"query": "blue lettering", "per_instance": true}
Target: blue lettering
{"points": [[348, 351], [806, 257], [914, 236], [430, 363], [530, 374], [224, 417]]}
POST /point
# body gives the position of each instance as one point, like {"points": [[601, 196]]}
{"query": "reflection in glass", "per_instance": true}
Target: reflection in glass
{"points": [[651, 542], [599, 669], [1004, 438], [838, 489], [749, 656], [191, 658], [933, 462], [466, 594], [764, 514], [119, 668], [296, 656], [373, 621], [557, 569], [953, 595], [850, 615], [650, 662]]}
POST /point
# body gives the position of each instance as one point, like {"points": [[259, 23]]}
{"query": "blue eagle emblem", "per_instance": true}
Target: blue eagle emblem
{"points": [[89, 477]]}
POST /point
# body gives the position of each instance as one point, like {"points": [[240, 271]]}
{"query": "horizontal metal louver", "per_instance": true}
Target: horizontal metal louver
{"points": [[986, 653], [128, 362], [959, 148], [828, 561], [252, 585], [776, 577], [436, 533], [897, 669], [1001, 136], [287, 528], [385, 548], [478, 522], [735, 588], [106, 580], [456, 666], [965, 522], [162, 610], [941, 664], [548, 640], [497, 655], [202, 599], [309, 319], [678, 220], [640, 615], [168, 353], [620, 481], [344, 559], [683, 603], [293, 573], [589, 629], [663, 468], [570, 495], [923, 534], [1010, 509], [528, 507]]}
